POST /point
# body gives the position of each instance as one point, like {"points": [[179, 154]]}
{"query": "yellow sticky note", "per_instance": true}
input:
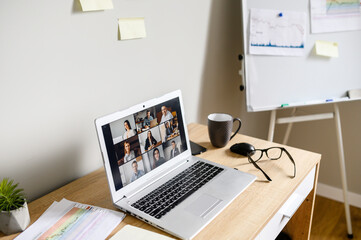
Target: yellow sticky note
{"points": [[96, 5], [327, 49], [131, 28]]}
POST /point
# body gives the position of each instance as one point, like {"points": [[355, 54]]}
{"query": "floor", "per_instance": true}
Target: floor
{"points": [[329, 220]]}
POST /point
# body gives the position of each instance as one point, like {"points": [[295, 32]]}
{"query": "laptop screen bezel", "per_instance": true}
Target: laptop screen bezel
{"points": [[152, 175]]}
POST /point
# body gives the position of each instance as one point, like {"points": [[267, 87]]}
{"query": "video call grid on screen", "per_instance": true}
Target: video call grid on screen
{"points": [[144, 140]]}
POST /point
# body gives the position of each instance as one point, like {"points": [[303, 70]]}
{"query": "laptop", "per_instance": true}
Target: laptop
{"points": [[153, 123], [156, 178]]}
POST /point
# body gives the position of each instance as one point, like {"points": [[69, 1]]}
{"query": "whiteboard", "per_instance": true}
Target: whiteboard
{"points": [[273, 81]]}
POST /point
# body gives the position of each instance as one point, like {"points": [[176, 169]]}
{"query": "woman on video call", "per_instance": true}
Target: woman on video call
{"points": [[150, 142], [129, 132], [158, 160], [128, 154]]}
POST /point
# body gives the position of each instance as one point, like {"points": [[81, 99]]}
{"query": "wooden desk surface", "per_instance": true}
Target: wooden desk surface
{"points": [[244, 218]]}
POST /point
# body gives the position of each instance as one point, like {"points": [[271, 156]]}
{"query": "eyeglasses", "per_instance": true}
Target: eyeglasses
{"points": [[272, 153]]}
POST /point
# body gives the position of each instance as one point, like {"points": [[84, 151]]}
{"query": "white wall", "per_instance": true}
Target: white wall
{"points": [[61, 68]]}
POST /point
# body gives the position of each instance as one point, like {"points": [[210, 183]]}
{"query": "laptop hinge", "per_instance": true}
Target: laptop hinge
{"points": [[164, 173]]}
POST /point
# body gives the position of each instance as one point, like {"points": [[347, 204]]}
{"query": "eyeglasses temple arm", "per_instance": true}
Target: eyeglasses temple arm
{"points": [[291, 158], [265, 174], [256, 165]]}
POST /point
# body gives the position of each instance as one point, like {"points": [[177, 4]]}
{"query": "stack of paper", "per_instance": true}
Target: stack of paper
{"points": [[71, 220]]}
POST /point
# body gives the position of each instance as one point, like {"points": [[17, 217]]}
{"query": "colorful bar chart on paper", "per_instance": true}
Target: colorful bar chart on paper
{"points": [[342, 6], [75, 224], [335, 15], [71, 220]]}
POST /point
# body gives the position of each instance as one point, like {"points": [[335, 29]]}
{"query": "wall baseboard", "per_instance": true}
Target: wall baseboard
{"points": [[337, 194]]}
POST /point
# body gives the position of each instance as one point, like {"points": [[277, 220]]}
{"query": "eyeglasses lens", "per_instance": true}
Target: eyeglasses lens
{"points": [[274, 153], [256, 155]]}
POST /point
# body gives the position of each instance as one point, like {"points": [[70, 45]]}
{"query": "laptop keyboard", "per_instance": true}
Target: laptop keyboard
{"points": [[161, 200]]}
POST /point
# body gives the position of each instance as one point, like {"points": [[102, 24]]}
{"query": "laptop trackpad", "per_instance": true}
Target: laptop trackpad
{"points": [[203, 205]]}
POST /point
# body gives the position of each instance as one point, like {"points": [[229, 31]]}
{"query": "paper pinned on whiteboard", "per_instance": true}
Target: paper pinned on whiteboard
{"points": [[326, 49], [131, 28], [96, 5], [276, 32]]}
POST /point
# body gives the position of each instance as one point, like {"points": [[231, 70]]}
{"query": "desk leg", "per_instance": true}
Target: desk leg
{"points": [[299, 226]]}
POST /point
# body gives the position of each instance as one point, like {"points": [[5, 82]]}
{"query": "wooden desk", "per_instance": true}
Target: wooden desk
{"points": [[245, 218]]}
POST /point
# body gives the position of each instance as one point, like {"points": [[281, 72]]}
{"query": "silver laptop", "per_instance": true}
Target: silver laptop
{"points": [[152, 174]]}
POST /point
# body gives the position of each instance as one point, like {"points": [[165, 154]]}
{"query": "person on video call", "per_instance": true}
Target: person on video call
{"points": [[158, 160], [136, 172], [150, 142], [147, 119], [128, 154], [174, 124], [129, 132], [175, 151], [166, 115], [168, 130]]}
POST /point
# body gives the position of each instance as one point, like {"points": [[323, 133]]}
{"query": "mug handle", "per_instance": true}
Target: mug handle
{"points": [[239, 126]]}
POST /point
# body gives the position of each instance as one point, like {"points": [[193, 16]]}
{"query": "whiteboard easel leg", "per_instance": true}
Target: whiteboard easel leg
{"points": [[272, 126], [343, 170], [289, 128]]}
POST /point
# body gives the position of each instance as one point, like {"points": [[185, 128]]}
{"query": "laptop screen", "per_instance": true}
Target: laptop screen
{"points": [[138, 143]]}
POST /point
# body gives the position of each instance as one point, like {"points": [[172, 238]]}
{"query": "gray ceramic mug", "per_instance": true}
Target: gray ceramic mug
{"points": [[220, 128]]}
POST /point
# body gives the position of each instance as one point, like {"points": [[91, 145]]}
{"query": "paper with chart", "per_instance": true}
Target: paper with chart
{"points": [[276, 32], [335, 15], [72, 220]]}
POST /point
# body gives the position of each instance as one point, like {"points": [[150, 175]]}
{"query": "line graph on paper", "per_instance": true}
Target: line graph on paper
{"points": [[335, 15], [342, 6], [275, 32]]}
